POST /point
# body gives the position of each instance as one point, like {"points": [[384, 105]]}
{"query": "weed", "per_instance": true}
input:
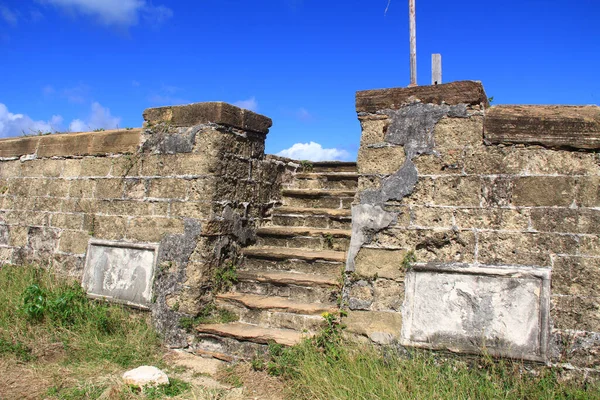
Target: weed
{"points": [[306, 165], [230, 377], [99, 130], [409, 259], [210, 314], [128, 128], [3, 189], [18, 349], [175, 387], [328, 240], [225, 277], [491, 99]]}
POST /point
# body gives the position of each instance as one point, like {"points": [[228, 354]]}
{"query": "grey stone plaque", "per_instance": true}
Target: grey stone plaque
{"points": [[120, 272], [499, 310]]}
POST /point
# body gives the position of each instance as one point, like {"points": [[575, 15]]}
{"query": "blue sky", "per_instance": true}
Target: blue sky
{"points": [[87, 64]]}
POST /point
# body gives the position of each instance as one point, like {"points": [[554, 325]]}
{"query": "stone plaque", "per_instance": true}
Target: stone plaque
{"points": [[499, 310], [120, 272]]}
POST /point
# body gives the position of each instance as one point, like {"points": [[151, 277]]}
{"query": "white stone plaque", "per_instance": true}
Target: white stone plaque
{"points": [[499, 310], [120, 272]]}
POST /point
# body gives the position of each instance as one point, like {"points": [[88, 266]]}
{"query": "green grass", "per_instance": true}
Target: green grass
{"points": [[330, 367], [364, 372]]}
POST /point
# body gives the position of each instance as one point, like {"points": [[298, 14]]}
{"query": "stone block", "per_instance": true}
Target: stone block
{"points": [[576, 313], [492, 218], [430, 244], [109, 188], [126, 165], [388, 295], [153, 229], [385, 160], [525, 248], [545, 191], [491, 160], [588, 194], [445, 162], [196, 210], [360, 295], [71, 168], [74, 242], [566, 220], [126, 208], [589, 245], [581, 349], [380, 327], [460, 92], [57, 187], [370, 262], [168, 188], [82, 188], [105, 227], [89, 143], [67, 221], [6, 255], [456, 133], [573, 127], [10, 169], [135, 188], [95, 166], [32, 168], [210, 112], [540, 161], [496, 191], [431, 217], [18, 187], [373, 130], [16, 147], [457, 191], [203, 189], [18, 236], [500, 311], [576, 276]]}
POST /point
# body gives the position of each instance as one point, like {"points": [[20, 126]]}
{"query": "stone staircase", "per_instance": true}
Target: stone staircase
{"points": [[293, 273]]}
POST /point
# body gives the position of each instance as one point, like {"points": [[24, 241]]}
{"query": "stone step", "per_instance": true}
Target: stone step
{"points": [[309, 288], [318, 198], [332, 166], [252, 333], [298, 266], [281, 253], [312, 217], [304, 237], [275, 319], [274, 303], [326, 180]]}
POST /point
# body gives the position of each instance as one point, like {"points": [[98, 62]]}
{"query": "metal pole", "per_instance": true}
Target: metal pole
{"points": [[413, 42]]}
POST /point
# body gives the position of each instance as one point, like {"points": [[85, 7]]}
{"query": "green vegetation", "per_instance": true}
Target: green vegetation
{"points": [[210, 314], [329, 366], [225, 276], [99, 130], [306, 165], [409, 259], [328, 240]]}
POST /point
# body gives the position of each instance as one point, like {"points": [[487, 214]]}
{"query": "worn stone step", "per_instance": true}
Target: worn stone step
{"points": [[225, 348], [275, 319], [318, 198], [332, 166], [312, 217], [274, 303], [281, 253], [304, 237], [291, 278], [299, 266], [252, 333], [309, 288], [326, 180]]}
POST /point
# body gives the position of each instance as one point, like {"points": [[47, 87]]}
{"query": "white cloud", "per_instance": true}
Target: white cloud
{"points": [[115, 12], [20, 124], [314, 152], [12, 124], [100, 118], [249, 104]]}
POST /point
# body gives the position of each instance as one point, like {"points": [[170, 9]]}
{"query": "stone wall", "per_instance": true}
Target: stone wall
{"points": [[475, 227], [194, 180]]}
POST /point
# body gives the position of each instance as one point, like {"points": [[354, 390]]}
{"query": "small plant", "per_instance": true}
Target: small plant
{"points": [[491, 99], [328, 240], [225, 277], [210, 314], [306, 165], [128, 128], [18, 349], [409, 259], [175, 387], [99, 130]]}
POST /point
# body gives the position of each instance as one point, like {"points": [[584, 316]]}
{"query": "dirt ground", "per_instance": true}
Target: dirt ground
{"points": [[35, 380]]}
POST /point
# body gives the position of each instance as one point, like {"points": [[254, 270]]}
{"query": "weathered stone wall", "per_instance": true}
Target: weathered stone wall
{"points": [[466, 215], [195, 180]]}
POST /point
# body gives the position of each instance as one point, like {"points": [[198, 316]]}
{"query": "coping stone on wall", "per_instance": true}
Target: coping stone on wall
{"points": [[573, 127], [460, 92], [210, 112]]}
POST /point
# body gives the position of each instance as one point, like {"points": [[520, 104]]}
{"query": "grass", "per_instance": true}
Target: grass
{"points": [[75, 348], [329, 366]]}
